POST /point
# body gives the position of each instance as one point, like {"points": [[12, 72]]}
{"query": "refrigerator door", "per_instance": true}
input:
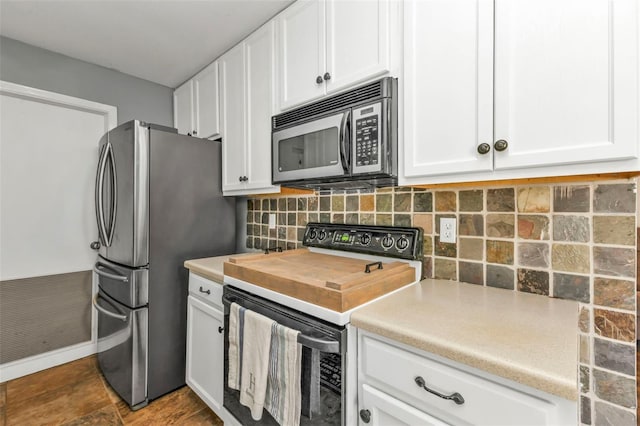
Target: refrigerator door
{"points": [[122, 195], [129, 286], [122, 348]]}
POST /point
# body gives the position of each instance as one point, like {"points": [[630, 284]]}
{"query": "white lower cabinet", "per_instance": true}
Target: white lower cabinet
{"points": [[382, 410], [205, 342], [392, 389]]}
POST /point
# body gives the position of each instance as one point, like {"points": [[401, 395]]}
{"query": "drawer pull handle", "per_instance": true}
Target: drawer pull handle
{"points": [[367, 267], [205, 291], [455, 397]]}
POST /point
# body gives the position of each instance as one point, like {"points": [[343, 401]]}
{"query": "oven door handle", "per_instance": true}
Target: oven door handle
{"points": [[328, 346]]}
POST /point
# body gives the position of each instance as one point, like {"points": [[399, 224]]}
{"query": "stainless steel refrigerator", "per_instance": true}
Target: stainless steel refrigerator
{"points": [[158, 202]]}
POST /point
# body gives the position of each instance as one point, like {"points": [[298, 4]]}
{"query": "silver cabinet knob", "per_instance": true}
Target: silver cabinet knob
{"points": [[484, 148], [195, 132], [327, 76], [95, 245], [501, 145], [319, 79], [365, 415]]}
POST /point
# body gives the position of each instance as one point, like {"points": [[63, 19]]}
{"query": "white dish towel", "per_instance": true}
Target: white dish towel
{"points": [[283, 386], [236, 325], [256, 342]]}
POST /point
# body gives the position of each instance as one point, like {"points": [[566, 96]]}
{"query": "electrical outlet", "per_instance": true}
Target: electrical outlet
{"points": [[272, 221], [448, 231]]}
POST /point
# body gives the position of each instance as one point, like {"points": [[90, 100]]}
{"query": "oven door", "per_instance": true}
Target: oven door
{"points": [[323, 372], [315, 149]]}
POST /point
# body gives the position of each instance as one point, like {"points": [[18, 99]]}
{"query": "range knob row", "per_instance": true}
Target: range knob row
{"points": [[401, 244], [313, 233]]}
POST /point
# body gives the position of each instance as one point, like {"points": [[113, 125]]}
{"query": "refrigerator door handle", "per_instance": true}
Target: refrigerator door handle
{"points": [[102, 162], [105, 311], [114, 195], [97, 270]]}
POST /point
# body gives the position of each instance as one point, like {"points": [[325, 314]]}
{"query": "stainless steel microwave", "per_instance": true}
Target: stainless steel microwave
{"points": [[344, 141]]}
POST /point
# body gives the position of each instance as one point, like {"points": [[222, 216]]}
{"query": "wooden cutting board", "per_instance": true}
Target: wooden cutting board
{"points": [[334, 282]]}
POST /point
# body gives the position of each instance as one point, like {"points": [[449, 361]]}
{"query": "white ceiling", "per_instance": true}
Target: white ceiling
{"points": [[164, 41]]}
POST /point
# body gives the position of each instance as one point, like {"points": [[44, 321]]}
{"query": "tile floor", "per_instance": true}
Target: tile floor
{"points": [[77, 394]]}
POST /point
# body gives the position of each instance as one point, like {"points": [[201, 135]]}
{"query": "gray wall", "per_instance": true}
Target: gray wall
{"points": [[135, 98]]}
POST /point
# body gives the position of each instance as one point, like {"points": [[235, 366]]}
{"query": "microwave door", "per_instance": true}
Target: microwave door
{"points": [[311, 150]]}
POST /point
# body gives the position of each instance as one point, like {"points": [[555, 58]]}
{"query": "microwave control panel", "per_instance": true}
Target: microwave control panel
{"points": [[367, 145]]}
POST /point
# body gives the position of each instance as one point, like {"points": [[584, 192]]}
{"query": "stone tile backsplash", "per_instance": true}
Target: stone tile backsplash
{"points": [[569, 241]]}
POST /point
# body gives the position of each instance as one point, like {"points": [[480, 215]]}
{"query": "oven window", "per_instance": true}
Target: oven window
{"points": [[314, 149]]}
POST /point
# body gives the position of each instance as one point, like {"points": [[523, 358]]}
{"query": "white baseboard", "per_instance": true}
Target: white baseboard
{"points": [[22, 367]]}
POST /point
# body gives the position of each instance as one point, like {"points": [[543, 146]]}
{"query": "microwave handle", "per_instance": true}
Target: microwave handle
{"points": [[345, 136]]}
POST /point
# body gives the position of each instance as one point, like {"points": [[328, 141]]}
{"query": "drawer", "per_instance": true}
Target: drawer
{"points": [[206, 290], [394, 370]]}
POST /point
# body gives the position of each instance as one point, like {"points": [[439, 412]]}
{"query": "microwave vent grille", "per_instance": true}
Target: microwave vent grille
{"points": [[364, 93]]}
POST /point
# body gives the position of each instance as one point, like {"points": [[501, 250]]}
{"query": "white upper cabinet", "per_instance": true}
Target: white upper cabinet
{"points": [[260, 69], [206, 102], [448, 86], [557, 95], [566, 91], [232, 84], [358, 41], [183, 118], [196, 105], [328, 45], [301, 54], [247, 87]]}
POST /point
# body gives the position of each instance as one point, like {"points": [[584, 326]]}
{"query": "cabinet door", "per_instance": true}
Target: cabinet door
{"points": [[205, 352], [448, 99], [260, 64], [232, 97], [566, 81], [301, 53], [207, 115], [183, 108], [386, 410], [358, 41]]}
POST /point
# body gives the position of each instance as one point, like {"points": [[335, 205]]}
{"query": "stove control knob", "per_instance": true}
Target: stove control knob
{"points": [[402, 243], [322, 235], [313, 234], [387, 242], [365, 239]]}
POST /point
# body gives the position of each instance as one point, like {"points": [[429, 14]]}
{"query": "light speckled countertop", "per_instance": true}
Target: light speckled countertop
{"points": [[526, 338], [210, 267]]}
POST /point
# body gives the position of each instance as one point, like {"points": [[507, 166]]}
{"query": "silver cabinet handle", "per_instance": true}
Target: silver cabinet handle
{"points": [[326, 76], [220, 330], [319, 79], [195, 132], [484, 148], [97, 270], [455, 397], [106, 312], [501, 145]]}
